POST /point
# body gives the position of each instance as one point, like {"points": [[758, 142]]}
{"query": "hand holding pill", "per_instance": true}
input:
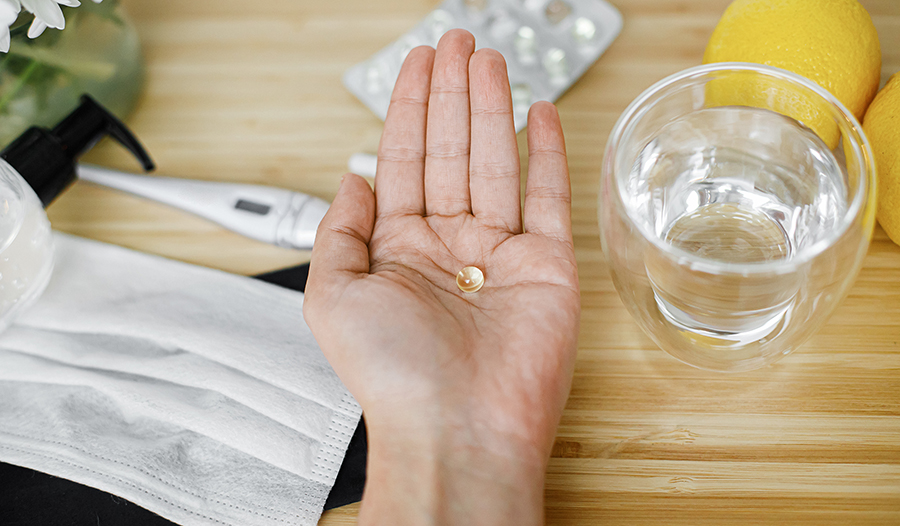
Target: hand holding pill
{"points": [[462, 383]]}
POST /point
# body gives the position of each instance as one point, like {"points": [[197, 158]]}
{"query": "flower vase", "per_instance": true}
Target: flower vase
{"points": [[42, 79]]}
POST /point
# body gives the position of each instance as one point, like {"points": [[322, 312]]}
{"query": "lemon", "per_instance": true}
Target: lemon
{"points": [[831, 42], [882, 126]]}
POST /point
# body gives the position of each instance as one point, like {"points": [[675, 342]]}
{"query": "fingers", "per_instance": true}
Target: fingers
{"points": [[548, 194], [399, 180], [341, 251], [494, 158], [447, 144]]}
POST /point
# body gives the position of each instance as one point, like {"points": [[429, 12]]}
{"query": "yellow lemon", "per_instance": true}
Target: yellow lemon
{"points": [[831, 42], [882, 126]]}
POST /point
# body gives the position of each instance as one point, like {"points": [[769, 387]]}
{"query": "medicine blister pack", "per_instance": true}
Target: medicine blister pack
{"points": [[547, 44]]}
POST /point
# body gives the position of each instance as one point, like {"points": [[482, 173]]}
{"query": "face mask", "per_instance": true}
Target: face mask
{"points": [[199, 395]]}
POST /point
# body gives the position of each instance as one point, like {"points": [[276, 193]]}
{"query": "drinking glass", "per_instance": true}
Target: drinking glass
{"points": [[736, 205]]}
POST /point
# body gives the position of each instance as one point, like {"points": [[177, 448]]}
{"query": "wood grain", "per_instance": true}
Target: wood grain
{"points": [[251, 92]]}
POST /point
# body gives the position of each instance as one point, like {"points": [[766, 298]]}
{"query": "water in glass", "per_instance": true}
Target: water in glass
{"points": [[726, 191]]}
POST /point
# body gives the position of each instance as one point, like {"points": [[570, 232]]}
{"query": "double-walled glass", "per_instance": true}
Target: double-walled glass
{"points": [[736, 205]]}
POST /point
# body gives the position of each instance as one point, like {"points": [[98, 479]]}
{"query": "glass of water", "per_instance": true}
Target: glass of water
{"points": [[736, 205]]}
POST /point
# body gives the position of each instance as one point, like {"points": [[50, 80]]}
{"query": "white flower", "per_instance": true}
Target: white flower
{"points": [[46, 14], [9, 12]]}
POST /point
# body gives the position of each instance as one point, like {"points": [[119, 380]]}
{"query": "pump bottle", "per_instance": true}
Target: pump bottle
{"points": [[34, 169]]}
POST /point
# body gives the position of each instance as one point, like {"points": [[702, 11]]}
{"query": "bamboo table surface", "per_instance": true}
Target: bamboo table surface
{"points": [[251, 92]]}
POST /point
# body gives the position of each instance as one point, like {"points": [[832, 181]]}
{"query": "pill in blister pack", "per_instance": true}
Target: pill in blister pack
{"points": [[548, 45]]}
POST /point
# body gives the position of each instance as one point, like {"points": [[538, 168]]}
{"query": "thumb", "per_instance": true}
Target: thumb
{"points": [[341, 249]]}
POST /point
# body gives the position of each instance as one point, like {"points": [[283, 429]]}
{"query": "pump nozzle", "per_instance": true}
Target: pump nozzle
{"points": [[46, 158]]}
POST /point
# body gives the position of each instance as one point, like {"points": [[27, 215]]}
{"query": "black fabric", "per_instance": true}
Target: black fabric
{"points": [[348, 486], [31, 498], [293, 278]]}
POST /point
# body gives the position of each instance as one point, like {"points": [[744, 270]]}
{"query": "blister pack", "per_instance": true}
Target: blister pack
{"points": [[548, 45]]}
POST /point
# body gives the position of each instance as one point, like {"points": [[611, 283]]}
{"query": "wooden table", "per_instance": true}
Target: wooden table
{"points": [[251, 92]]}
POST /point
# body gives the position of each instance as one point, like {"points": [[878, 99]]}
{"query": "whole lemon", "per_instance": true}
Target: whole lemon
{"points": [[831, 42], [882, 126]]}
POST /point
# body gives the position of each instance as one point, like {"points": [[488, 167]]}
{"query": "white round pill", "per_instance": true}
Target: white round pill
{"points": [[584, 30]]}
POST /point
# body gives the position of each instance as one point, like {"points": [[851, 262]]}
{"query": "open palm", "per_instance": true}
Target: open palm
{"points": [[420, 355]]}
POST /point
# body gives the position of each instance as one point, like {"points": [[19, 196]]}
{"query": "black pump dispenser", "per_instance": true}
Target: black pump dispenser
{"points": [[46, 158]]}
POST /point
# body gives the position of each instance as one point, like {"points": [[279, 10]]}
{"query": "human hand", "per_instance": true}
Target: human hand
{"points": [[462, 392]]}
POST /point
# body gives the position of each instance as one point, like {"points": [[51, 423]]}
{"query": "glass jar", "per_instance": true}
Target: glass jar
{"points": [[26, 245]]}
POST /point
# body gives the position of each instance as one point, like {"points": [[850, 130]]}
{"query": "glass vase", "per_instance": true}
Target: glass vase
{"points": [[42, 79]]}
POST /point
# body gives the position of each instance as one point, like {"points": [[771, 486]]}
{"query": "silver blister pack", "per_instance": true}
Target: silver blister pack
{"points": [[547, 44]]}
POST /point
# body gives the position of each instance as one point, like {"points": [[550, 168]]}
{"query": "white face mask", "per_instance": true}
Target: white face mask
{"points": [[199, 395]]}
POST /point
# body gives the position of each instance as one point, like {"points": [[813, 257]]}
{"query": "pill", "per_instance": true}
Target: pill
{"points": [[476, 5], [555, 65], [525, 44], [584, 30], [557, 11], [377, 77], [438, 22], [407, 44], [470, 279], [521, 97], [501, 25]]}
